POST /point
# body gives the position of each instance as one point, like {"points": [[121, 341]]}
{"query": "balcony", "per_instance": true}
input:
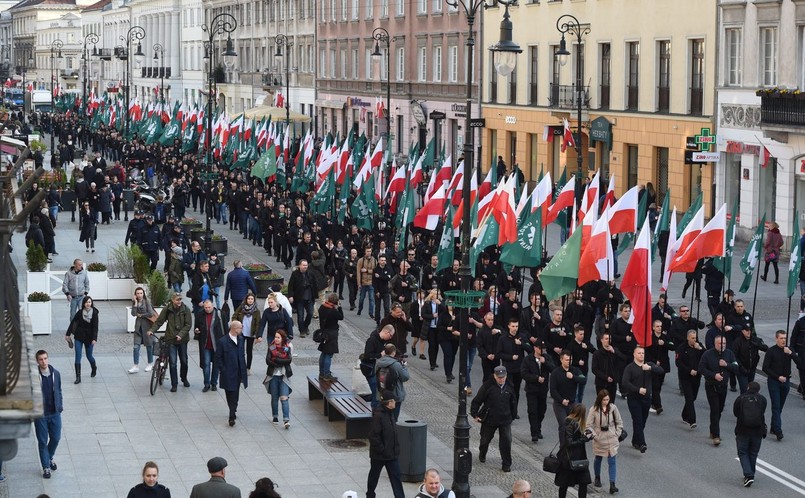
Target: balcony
{"points": [[69, 74], [782, 110], [567, 97], [155, 72]]}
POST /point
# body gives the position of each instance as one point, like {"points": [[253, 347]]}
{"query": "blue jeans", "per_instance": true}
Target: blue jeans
{"points": [[325, 361], [254, 231], [148, 349], [279, 393], [244, 223], [177, 351], [612, 466], [748, 448], [638, 408], [75, 304], [88, 346], [48, 434], [54, 212], [221, 214], [449, 356], [304, 313], [372, 381], [217, 292], [744, 380], [580, 390], [177, 287], [472, 352], [778, 392], [393, 471], [208, 365], [370, 291]]}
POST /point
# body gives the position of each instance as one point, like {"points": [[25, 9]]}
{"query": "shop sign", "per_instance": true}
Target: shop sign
{"points": [[357, 102], [460, 110], [735, 147], [511, 120], [705, 140], [601, 131], [706, 157]]}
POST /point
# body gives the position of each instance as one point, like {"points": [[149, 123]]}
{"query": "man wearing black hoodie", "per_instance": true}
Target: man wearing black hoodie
{"points": [[384, 447]]}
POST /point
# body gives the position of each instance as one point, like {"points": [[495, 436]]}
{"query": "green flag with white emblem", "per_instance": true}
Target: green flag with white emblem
{"points": [[752, 255], [796, 257], [447, 243], [527, 250]]}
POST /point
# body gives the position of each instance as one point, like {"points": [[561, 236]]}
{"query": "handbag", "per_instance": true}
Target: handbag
{"points": [[551, 462], [623, 435], [319, 335], [578, 465], [153, 317]]}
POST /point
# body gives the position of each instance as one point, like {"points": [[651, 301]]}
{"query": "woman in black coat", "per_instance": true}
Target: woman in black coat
{"points": [[89, 231], [149, 488], [576, 436], [84, 328], [330, 313]]}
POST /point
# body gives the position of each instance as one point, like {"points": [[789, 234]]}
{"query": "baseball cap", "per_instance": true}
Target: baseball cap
{"points": [[500, 371], [216, 464]]}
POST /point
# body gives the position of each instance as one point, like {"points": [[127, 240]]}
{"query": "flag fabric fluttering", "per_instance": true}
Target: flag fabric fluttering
{"points": [[560, 275], [710, 242], [636, 285], [795, 265], [752, 255]]}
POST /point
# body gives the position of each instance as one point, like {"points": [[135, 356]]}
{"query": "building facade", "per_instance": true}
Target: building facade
{"points": [[761, 74], [648, 89], [425, 61]]}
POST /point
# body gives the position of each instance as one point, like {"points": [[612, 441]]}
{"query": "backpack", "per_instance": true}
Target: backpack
{"points": [[386, 378], [752, 412]]}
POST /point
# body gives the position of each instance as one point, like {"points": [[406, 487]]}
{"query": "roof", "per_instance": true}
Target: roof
{"points": [[30, 3], [96, 6]]}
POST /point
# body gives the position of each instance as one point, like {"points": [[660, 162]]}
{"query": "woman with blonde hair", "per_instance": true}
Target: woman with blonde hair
{"points": [[573, 455], [143, 312], [429, 335], [606, 423]]}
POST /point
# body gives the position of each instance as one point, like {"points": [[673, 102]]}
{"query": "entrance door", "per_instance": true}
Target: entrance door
{"points": [[661, 174], [512, 141], [631, 180]]}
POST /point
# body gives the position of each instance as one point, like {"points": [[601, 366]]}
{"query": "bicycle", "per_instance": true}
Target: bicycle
{"points": [[160, 366]]}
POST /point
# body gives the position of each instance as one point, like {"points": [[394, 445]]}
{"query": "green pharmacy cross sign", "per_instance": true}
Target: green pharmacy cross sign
{"points": [[705, 140]]}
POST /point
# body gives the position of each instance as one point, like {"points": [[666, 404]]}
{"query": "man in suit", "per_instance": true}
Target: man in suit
{"points": [[216, 487], [230, 356]]}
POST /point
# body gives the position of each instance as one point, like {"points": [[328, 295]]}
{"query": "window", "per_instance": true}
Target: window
{"points": [[400, 8], [343, 55], [332, 10], [422, 7], [370, 9], [768, 56], [400, 64], [633, 83], [533, 74], [606, 74], [344, 10], [437, 64], [370, 61], [354, 64], [355, 8], [422, 71], [437, 7], [696, 76], [384, 70], [322, 63], [384, 8], [493, 82], [664, 76], [513, 87], [555, 71], [734, 54], [453, 62], [332, 63]]}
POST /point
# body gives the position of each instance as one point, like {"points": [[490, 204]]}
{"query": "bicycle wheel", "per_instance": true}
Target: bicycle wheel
{"points": [[154, 379], [162, 370]]}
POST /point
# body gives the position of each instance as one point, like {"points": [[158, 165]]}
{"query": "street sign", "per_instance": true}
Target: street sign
{"points": [[437, 115], [478, 123]]}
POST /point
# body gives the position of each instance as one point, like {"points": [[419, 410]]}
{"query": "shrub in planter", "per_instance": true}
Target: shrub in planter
{"points": [[264, 281], [257, 268], [189, 221], [38, 297], [35, 257], [96, 266], [142, 266], [158, 289]]}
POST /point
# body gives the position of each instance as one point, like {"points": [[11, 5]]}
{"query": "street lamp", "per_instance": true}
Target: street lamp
{"points": [[220, 24], [134, 33], [159, 53], [466, 298], [568, 24], [282, 40], [381, 35], [90, 38], [55, 48], [26, 62]]}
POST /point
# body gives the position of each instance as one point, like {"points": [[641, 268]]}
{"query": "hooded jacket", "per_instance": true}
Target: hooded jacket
{"points": [[400, 371]]}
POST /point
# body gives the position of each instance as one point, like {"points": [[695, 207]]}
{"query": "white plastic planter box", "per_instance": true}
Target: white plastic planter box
{"points": [[119, 289], [130, 321], [40, 314], [98, 285]]}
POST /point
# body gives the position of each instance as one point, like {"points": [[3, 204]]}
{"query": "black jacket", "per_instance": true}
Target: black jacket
{"points": [[778, 364], [657, 353], [296, 286], [381, 278], [605, 364], [383, 442], [328, 320], [84, 331], [688, 358], [747, 352], [500, 403], [487, 342], [508, 348], [563, 388], [709, 366], [580, 355], [634, 377], [680, 327], [737, 410], [143, 491], [201, 333], [532, 370]]}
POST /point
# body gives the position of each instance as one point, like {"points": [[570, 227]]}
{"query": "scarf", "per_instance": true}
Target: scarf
{"points": [[248, 310], [87, 314]]}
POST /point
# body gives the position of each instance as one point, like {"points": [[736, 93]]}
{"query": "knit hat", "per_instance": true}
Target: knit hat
{"points": [[177, 250]]}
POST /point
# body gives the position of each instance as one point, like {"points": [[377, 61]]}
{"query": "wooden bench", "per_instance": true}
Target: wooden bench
{"points": [[317, 389], [353, 410]]}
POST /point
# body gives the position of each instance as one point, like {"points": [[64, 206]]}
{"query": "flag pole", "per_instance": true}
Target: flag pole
{"points": [[787, 321], [754, 298]]}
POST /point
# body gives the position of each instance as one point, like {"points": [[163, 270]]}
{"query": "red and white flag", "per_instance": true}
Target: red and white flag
{"points": [[670, 251], [397, 183], [504, 213], [279, 99], [766, 156], [486, 185], [417, 175], [380, 108], [597, 261], [623, 214], [565, 199], [456, 186], [432, 211], [636, 285], [541, 196], [710, 242], [609, 199], [567, 137], [439, 178]]}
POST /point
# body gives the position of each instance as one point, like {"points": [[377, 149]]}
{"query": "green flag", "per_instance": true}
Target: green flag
{"points": [[663, 224], [725, 264], [259, 170], [343, 197], [325, 196], [689, 214], [487, 236], [527, 250], [170, 133], [752, 255], [560, 275], [362, 207], [796, 258], [447, 243]]}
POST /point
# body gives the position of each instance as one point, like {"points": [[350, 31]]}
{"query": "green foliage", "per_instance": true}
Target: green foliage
{"points": [[35, 257], [37, 145], [142, 266], [95, 266], [121, 262], [158, 289], [38, 297], [269, 276]]}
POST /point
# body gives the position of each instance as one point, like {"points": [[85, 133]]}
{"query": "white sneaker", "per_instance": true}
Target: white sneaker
{"points": [[134, 369], [149, 367]]}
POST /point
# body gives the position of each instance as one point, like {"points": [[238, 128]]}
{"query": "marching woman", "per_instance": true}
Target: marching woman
{"points": [[278, 359], [84, 328], [142, 310]]}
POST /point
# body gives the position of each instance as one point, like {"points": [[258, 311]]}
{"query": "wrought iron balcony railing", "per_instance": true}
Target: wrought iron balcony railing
{"points": [[567, 97], [786, 109]]}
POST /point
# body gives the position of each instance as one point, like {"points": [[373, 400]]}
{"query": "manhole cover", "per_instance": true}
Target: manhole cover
{"points": [[345, 444]]}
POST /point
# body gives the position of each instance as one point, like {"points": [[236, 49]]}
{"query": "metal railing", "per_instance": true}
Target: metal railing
{"points": [[787, 110], [567, 96]]}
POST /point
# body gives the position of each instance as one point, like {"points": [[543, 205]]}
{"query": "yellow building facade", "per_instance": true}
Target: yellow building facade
{"points": [[647, 73]]}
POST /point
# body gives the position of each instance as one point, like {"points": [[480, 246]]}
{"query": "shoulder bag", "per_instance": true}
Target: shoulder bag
{"points": [[623, 435], [551, 462]]}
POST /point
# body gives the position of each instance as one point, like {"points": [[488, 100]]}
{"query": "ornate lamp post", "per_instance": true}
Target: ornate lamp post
{"points": [[568, 24], [220, 24], [381, 35], [134, 33], [26, 62], [282, 40], [505, 59], [159, 54], [85, 59], [55, 53]]}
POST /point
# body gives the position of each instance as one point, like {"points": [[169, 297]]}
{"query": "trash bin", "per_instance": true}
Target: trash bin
{"points": [[413, 436]]}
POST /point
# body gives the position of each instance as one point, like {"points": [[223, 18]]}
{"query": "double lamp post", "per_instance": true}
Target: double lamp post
{"points": [[55, 53], [134, 33], [282, 41], [382, 35]]}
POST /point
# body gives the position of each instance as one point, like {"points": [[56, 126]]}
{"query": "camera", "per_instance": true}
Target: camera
{"points": [[604, 428]]}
